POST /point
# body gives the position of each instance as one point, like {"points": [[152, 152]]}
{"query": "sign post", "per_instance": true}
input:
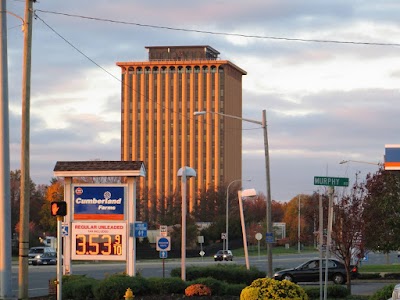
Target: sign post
{"points": [[331, 182], [163, 246]]}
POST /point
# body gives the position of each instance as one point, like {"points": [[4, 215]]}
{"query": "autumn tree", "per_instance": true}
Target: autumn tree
{"points": [[54, 192], [36, 199], [381, 211], [348, 228]]}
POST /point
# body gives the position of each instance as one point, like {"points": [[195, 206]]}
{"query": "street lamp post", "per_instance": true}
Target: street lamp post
{"points": [[184, 172], [245, 193], [263, 123], [227, 212]]}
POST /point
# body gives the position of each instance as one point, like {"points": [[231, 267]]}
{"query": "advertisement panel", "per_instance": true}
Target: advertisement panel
{"points": [[98, 241], [98, 202], [392, 157]]}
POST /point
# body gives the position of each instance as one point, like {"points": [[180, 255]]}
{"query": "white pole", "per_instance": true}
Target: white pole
{"points": [[328, 238], [59, 258], [5, 206], [183, 243], [246, 253], [298, 229], [321, 241]]}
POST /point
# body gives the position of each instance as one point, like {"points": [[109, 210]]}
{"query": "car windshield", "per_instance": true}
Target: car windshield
{"points": [[36, 250]]}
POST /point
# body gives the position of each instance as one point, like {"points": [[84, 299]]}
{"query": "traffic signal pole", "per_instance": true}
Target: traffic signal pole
{"points": [[59, 258]]}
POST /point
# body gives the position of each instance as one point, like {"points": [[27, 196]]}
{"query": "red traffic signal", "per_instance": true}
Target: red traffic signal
{"points": [[58, 208]]}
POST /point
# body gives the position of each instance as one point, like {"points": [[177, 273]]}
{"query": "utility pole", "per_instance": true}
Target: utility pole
{"points": [[5, 201], [25, 141]]}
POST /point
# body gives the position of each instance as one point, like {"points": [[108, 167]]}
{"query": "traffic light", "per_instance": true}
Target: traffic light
{"points": [[58, 208]]}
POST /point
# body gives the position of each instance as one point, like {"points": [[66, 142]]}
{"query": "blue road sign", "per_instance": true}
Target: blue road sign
{"points": [[163, 243], [270, 237], [64, 229], [163, 254], [140, 229]]}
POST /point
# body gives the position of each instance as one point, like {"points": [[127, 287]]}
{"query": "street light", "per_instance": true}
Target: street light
{"points": [[358, 161], [184, 172], [263, 123], [245, 193], [227, 211]]}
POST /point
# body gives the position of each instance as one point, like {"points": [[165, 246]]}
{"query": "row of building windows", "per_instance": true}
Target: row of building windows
{"points": [[172, 69]]}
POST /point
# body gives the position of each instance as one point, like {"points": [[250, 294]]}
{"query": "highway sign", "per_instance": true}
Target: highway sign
{"points": [[163, 243], [163, 254], [270, 237], [140, 229], [202, 253], [331, 181]]}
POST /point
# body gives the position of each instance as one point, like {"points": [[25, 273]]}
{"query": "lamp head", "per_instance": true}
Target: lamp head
{"points": [[199, 113], [187, 171], [249, 193]]}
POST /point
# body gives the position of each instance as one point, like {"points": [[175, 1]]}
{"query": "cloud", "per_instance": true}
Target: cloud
{"points": [[325, 101]]}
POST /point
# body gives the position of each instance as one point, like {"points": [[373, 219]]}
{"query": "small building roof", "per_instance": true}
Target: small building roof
{"points": [[96, 168]]}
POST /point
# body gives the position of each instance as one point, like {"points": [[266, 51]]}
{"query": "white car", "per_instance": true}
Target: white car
{"points": [[396, 293], [42, 256]]}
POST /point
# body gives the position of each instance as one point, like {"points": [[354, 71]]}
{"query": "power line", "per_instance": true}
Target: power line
{"points": [[69, 43], [223, 33]]}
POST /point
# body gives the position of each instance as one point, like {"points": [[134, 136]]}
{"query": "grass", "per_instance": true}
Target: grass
{"points": [[253, 251], [379, 268]]}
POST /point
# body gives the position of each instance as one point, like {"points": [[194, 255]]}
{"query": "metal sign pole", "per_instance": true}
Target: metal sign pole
{"points": [[59, 258]]}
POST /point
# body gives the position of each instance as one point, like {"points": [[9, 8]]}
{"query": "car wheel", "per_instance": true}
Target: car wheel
{"points": [[287, 277], [338, 278]]}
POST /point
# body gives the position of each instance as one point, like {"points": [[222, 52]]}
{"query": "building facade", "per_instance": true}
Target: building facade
{"points": [[158, 125]]}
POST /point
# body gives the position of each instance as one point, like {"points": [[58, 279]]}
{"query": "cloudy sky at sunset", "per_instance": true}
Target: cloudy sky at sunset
{"points": [[326, 72]]}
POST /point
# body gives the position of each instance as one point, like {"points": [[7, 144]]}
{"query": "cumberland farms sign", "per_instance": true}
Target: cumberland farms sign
{"points": [[99, 202], [331, 181]]}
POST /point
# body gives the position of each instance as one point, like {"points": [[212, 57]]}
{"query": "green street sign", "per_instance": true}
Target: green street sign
{"points": [[331, 181]]}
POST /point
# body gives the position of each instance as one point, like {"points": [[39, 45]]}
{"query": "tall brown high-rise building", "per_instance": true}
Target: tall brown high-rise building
{"points": [[159, 97]]}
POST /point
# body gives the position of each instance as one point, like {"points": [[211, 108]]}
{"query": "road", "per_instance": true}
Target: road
{"points": [[39, 276]]}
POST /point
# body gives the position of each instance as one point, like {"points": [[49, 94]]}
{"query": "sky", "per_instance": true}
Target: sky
{"points": [[326, 72]]}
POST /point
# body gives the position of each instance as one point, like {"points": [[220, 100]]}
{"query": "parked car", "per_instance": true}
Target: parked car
{"points": [[223, 255], [309, 271], [42, 256]]}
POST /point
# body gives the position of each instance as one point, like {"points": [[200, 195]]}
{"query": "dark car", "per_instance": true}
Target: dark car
{"points": [[42, 256], [309, 271], [223, 255]]}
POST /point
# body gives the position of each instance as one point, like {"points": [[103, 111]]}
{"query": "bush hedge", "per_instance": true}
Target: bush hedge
{"points": [[228, 273]]}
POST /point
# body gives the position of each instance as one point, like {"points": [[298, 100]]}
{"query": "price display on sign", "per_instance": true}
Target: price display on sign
{"points": [[99, 241]]}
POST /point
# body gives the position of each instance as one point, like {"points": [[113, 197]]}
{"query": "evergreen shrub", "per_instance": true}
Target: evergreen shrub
{"points": [[231, 273], [115, 286], [162, 286], [383, 293]]}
